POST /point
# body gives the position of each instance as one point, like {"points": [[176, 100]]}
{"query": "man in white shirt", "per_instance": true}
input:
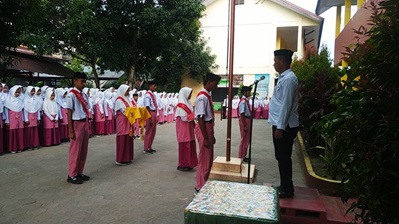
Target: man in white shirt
{"points": [[283, 116]]}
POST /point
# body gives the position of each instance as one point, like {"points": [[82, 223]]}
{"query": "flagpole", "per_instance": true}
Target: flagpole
{"points": [[231, 65]]}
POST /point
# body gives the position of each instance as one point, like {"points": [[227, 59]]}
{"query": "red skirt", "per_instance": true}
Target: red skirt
{"points": [[32, 137], [124, 148], [51, 136], [109, 127], [14, 139]]}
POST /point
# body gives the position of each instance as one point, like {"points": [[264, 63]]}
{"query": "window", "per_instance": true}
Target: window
{"points": [[239, 2]]}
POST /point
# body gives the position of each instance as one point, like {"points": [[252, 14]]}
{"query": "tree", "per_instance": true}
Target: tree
{"points": [[157, 39], [366, 120], [146, 39], [13, 25], [74, 28]]}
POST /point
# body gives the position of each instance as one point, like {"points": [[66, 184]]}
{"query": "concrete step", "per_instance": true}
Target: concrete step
{"points": [[305, 208], [220, 164], [232, 176]]}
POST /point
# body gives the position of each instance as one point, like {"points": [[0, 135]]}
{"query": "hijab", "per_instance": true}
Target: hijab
{"points": [[39, 99], [183, 98], [30, 102], [59, 95], [50, 106], [14, 103], [108, 99], [121, 93]]}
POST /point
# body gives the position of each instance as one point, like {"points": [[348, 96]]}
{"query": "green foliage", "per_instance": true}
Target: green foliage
{"points": [[366, 120], [14, 20], [146, 39], [318, 81]]}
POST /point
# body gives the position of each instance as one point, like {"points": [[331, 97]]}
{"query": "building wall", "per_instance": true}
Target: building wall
{"points": [[255, 36], [348, 36]]}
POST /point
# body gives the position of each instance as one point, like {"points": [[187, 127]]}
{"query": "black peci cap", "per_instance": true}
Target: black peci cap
{"points": [[150, 83], [245, 88], [79, 75], [284, 53], [212, 77]]}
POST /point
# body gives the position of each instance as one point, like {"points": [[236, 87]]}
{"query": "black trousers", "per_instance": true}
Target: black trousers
{"points": [[283, 152]]}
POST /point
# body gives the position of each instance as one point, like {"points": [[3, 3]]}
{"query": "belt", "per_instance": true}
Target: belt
{"points": [[247, 116], [152, 110], [210, 121], [81, 120]]}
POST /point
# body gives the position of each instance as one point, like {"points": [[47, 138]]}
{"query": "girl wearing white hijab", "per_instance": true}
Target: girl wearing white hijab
{"points": [[185, 131], [14, 120], [170, 108], [161, 116], [51, 134], [109, 123], [99, 116], [32, 119], [124, 140], [60, 95], [4, 92], [234, 106]]}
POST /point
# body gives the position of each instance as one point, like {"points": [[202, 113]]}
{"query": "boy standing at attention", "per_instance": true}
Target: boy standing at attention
{"points": [[204, 128], [244, 122], [78, 127], [150, 102]]}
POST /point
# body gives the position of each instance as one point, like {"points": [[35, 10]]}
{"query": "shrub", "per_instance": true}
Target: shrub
{"points": [[366, 120], [318, 81]]}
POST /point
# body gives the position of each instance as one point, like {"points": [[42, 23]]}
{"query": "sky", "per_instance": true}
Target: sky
{"points": [[328, 33]]}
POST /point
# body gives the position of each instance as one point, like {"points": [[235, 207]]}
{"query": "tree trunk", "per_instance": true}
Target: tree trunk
{"points": [[131, 75], [96, 80]]}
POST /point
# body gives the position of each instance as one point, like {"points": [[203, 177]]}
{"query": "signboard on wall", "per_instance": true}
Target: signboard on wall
{"points": [[263, 86], [237, 80]]}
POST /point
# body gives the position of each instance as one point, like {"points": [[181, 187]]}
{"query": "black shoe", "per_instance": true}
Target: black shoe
{"points": [[184, 169], [148, 151], [74, 180], [83, 177], [153, 150], [283, 194], [245, 159], [123, 163], [278, 188], [196, 190]]}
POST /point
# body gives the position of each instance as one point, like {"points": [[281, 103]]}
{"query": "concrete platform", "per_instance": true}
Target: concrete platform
{"points": [[234, 170]]}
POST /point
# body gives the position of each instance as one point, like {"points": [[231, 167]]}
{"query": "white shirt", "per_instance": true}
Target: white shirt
{"points": [[203, 107], [283, 108]]}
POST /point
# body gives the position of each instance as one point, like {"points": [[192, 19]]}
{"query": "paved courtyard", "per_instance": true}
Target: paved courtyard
{"points": [[33, 187]]}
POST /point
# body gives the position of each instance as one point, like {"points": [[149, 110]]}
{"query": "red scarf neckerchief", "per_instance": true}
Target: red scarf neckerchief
{"points": [[246, 100], [134, 103], [190, 114], [82, 101], [210, 101], [126, 105], [153, 100], [123, 100]]}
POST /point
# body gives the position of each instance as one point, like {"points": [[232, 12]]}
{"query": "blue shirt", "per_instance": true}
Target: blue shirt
{"points": [[72, 103], [243, 107], [148, 102], [283, 108], [202, 107]]}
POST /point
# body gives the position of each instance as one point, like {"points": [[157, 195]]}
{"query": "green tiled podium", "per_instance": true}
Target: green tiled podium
{"points": [[233, 203]]}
